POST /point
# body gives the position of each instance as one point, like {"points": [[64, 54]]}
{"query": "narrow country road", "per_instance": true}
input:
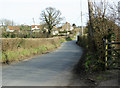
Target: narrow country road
{"points": [[52, 69]]}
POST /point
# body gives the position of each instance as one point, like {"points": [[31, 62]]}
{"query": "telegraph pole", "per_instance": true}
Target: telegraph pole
{"points": [[67, 28], [118, 36], [119, 12], [82, 23], [81, 19], [12, 22], [33, 21], [90, 9]]}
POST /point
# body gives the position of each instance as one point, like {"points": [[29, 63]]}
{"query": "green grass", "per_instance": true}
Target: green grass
{"points": [[68, 39], [62, 40], [23, 53]]}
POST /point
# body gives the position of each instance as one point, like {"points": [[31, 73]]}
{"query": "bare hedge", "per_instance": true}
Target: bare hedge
{"points": [[11, 44], [17, 49]]}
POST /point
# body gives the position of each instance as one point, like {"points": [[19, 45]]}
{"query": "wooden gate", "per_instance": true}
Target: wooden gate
{"points": [[112, 54]]}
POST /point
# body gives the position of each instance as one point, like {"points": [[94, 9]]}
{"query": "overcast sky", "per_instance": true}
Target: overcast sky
{"points": [[22, 11]]}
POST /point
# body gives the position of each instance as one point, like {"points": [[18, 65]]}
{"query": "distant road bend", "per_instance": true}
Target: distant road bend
{"points": [[52, 69]]}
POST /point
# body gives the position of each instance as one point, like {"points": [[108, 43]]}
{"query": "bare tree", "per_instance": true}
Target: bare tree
{"points": [[51, 17], [6, 22], [114, 12]]}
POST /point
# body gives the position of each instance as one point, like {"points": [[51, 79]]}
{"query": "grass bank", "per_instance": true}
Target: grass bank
{"points": [[18, 49], [89, 68]]}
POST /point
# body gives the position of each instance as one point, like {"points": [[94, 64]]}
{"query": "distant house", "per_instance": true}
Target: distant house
{"points": [[67, 27], [12, 28], [55, 30], [35, 28], [71, 28]]}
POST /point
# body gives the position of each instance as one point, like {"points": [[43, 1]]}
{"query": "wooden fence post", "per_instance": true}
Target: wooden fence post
{"points": [[106, 53]]}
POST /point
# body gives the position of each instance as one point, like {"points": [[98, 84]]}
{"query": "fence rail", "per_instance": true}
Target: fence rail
{"points": [[113, 43]]}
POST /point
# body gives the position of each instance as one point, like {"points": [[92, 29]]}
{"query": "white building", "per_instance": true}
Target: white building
{"points": [[35, 28], [55, 31]]}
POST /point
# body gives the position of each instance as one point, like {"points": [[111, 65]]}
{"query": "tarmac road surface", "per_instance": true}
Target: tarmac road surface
{"points": [[52, 69]]}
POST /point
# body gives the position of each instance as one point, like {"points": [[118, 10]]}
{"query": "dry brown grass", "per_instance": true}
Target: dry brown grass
{"points": [[16, 49]]}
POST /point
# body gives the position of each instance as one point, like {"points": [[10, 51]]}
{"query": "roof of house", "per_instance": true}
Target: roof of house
{"points": [[33, 26], [66, 25], [38, 27], [13, 27]]}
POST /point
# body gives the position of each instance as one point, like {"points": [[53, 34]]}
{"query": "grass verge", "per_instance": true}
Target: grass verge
{"points": [[21, 54], [90, 69], [24, 53]]}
